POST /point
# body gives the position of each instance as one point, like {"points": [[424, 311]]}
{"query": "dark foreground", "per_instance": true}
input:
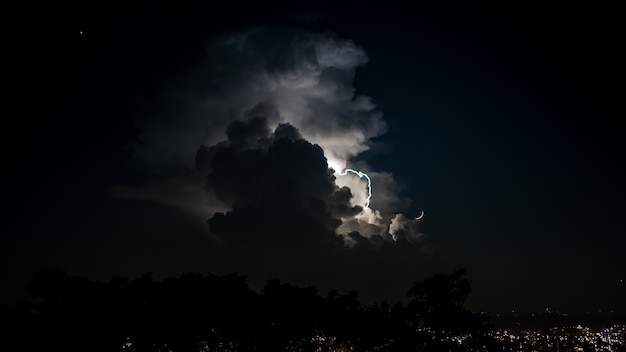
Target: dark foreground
{"points": [[220, 313]]}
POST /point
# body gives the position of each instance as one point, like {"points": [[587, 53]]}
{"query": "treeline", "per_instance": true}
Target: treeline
{"points": [[197, 312]]}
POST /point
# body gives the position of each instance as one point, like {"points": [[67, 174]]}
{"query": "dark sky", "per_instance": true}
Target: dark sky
{"points": [[135, 124]]}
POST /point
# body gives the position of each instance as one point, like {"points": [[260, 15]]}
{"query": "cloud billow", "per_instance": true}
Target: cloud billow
{"points": [[269, 118], [279, 190]]}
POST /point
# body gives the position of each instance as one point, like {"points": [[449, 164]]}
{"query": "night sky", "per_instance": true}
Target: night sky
{"points": [[195, 138]]}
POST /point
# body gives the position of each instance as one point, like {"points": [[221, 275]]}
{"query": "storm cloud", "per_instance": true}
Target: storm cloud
{"points": [[263, 124], [278, 186]]}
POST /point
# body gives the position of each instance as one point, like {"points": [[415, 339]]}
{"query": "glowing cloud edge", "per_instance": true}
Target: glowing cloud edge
{"points": [[361, 174]]}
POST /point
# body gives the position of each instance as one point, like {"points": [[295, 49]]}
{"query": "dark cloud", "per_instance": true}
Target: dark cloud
{"points": [[285, 74], [233, 109], [285, 130], [239, 147], [278, 185]]}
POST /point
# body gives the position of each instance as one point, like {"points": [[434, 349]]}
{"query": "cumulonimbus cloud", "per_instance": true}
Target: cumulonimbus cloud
{"points": [[264, 89]]}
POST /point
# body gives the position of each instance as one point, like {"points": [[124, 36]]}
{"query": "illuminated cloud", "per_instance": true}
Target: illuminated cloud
{"points": [[253, 88], [408, 229]]}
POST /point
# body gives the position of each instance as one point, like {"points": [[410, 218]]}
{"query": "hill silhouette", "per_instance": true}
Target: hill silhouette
{"points": [[196, 312]]}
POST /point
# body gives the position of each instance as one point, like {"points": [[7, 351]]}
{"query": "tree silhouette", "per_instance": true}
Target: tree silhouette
{"points": [[441, 290], [437, 304], [290, 316], [197, 312]]}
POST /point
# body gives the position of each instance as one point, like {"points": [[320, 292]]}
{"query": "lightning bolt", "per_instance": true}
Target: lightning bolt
{"points": [[369, 182]]}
